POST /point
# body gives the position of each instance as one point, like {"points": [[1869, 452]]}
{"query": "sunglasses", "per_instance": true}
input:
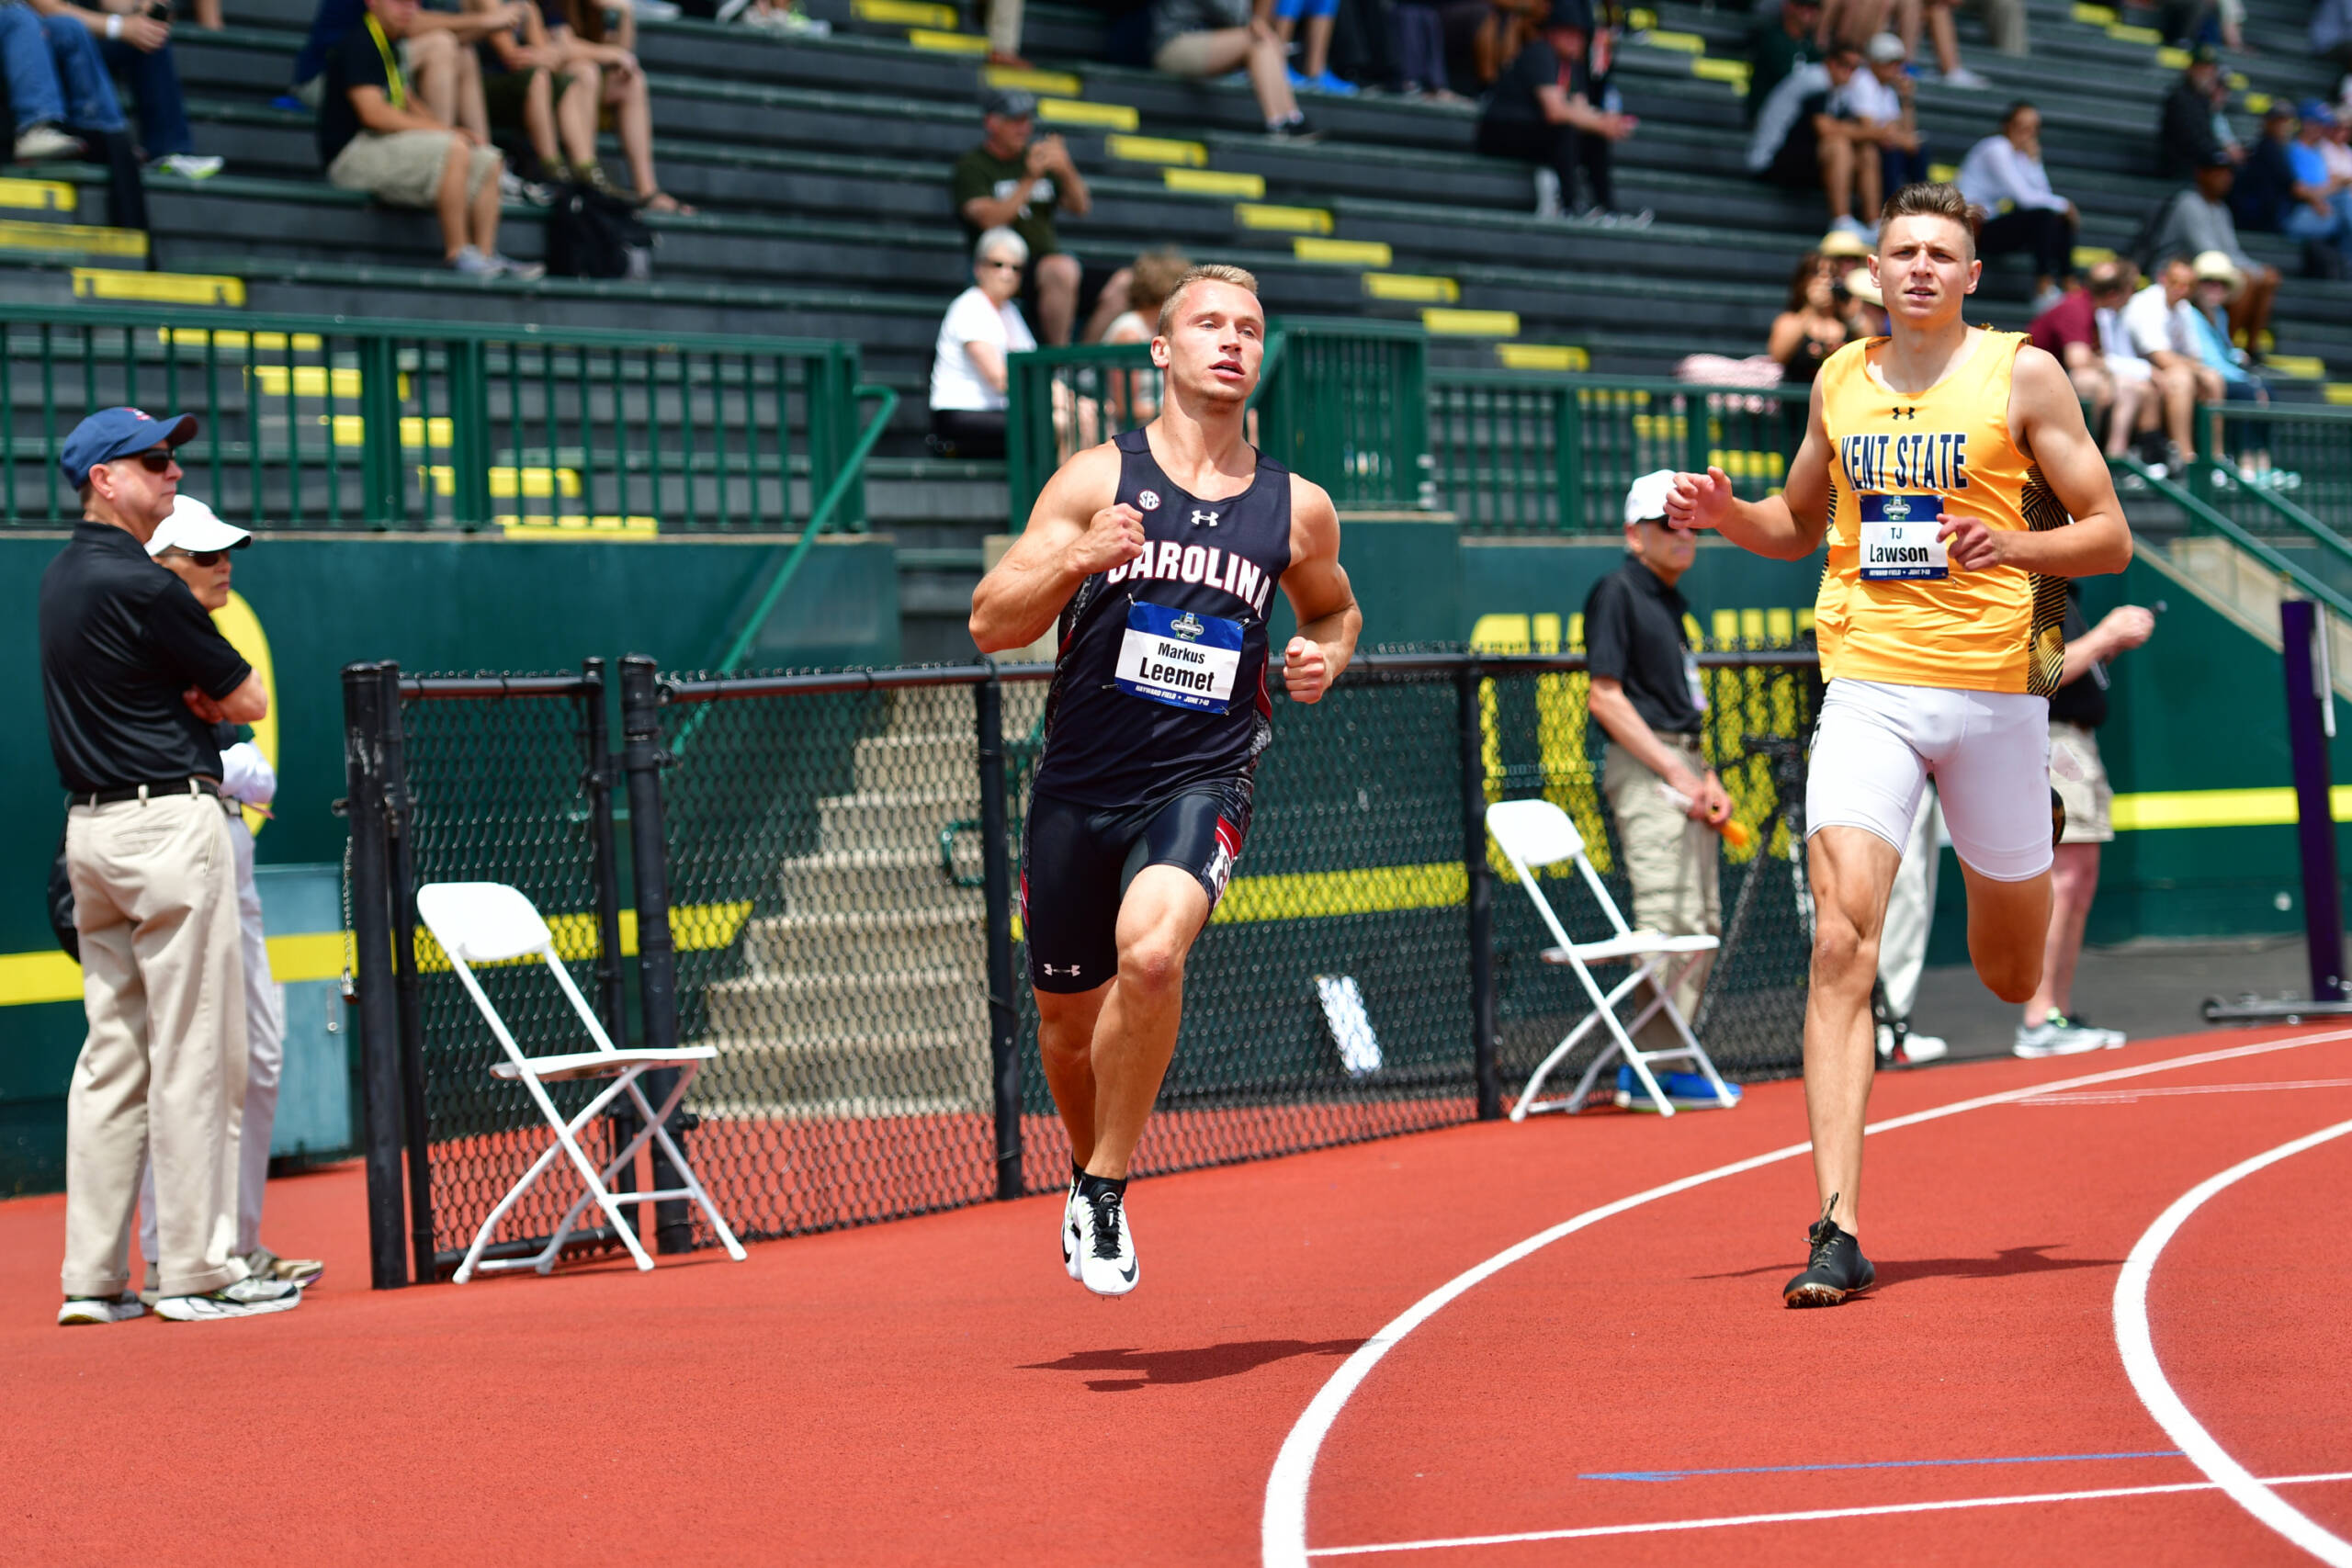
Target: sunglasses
{"points": [[1003, 265], [206, 558], [153, 462]]}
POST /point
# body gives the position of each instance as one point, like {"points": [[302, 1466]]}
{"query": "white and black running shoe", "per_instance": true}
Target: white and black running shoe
{"points": [[1070, 1224], [84, 1309], [1106, 1243], [246, 1298]]}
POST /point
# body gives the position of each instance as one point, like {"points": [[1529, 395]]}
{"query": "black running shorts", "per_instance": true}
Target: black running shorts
{"points": [[1076, 861]]}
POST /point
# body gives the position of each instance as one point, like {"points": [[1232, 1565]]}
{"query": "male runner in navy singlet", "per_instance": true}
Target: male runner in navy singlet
{"points": [[1159, 553]]}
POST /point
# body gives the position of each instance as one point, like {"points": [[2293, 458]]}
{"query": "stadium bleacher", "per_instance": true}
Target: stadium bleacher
{"points": [[820, 165]]}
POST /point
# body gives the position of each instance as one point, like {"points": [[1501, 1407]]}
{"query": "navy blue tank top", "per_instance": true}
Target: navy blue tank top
{"points": [[1161, 681]]}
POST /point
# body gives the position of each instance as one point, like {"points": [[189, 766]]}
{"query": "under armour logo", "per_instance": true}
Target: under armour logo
{"points": [[1203, 519], [1071, 971], [1899, 411]]}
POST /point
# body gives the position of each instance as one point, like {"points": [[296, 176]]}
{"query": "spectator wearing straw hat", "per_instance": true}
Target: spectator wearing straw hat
{"points": [[196, 546], [1647, 697], [134, 676]]}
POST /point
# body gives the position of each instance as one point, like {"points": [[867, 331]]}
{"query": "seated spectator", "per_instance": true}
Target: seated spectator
{"points": [[969, 364], [2197, 221], [523, 88], [1880, 95], [1812, 326], [1550, 109], [1134, 394], [2069, 331], [2005, 172], [2321, 211], [1943, 32], [374, 136], [616, 84], [55, 80], [1806, 137], [1845, 255], [1777, 43], [1207, 39], [1420, 52], [2193, 132], [1316, 56], [138, 48], [2124, 363], [441, 67], [2160, 322], [1013, 181], [2247, 441], [2265, 181]]}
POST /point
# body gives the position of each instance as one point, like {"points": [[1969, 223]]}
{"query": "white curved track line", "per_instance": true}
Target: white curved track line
{"points": [[2148, 1378], [1282, 1525]]}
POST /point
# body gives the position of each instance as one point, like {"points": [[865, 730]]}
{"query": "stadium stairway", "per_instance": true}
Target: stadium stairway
{"points": [[820, 165]]}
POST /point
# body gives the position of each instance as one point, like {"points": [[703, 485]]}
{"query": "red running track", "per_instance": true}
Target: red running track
{"points": [[936, 1391]]}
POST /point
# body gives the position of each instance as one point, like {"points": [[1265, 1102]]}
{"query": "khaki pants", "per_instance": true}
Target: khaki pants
{"points": [[1671, 859], [164, 1065]]}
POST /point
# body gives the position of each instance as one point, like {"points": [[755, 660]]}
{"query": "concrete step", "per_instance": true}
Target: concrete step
{"points": [[919, 1073], [894, 819], [872, 941], [872, 879], [920, 758], [813, 1008]]}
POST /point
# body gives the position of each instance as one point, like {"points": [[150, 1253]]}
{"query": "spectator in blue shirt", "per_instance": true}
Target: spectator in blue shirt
{"points": [[2320, 210], [2246, 440]]}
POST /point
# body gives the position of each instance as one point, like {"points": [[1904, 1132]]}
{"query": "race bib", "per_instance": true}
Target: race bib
{"points": [[1179, 658], [1899, 542]]}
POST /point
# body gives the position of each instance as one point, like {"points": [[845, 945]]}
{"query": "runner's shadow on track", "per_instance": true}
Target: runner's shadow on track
{"points": [[2010, 1260], [1209, 1362]]}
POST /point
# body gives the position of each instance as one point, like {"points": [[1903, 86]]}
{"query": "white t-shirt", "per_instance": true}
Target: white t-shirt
{"points": [[1867, 97], [2156, 327], [955, 381]]}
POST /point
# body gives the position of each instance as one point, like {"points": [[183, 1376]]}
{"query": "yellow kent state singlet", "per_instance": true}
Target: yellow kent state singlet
{"points": [[1892, 608]]}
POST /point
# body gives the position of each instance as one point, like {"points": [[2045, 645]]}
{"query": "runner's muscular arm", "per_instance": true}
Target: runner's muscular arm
{"points": [[2046, 416], [1787, 527], [1075, 530], [1317, 584]]}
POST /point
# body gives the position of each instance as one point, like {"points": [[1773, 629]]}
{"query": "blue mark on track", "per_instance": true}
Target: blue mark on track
{"points": [[1872, 1465]]}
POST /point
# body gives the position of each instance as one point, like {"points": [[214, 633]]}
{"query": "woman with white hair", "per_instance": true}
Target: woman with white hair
{"points": [[982, 329]]}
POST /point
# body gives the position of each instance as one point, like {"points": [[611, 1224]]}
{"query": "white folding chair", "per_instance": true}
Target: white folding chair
{"points": [[1536, 832], [489, 922]]}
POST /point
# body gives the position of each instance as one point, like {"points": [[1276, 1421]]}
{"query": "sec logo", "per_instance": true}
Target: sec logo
{"points": [[1148, 501]]}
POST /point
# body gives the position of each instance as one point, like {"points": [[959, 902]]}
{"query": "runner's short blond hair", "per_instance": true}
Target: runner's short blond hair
{"points": [[1207, 272]]}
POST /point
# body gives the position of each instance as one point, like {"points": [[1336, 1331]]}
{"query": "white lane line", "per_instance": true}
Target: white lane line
{"points": [[2133, 1095], [2148, 1378], [1283, 1525], [1808, 1516]]}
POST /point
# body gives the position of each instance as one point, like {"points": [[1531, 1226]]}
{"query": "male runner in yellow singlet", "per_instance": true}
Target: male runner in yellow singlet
{"points": [[1944, 461]]}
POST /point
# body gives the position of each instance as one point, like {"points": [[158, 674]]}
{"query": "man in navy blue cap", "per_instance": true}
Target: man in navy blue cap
{"points": [[134, 676]]}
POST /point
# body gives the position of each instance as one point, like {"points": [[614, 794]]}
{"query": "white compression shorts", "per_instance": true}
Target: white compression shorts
{"points": [[1989, 753]]}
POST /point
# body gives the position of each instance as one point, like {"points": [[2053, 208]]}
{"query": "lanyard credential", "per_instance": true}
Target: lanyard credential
{"points": [[395, 88]]}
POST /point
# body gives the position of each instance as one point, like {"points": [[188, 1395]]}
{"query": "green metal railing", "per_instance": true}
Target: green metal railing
{"points": [[1527, 451], [2307, 448], [1340, 401], [2219, 570], [329, 423]]}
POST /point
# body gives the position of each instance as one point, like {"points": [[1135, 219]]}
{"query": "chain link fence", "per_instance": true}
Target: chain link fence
{"points": [[831, 859]]}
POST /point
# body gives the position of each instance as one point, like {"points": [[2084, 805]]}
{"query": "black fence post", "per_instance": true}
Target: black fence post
{"points": [[996, 877], [611, 991], [400, 821], [379, 1077], [1479, 894], [642, 757]]}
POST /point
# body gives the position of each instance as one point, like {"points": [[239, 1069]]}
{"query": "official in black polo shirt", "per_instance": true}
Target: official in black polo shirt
{"points": [[1647, 697], [134, 677]]}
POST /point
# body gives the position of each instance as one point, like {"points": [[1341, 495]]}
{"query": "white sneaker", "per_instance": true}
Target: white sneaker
{"points": [[246, 1298], [1107, 1245], [262, 1264], [42, 144], [1547, 193], [1962, 76], [1846, 223], [1069, 1227], [94, 1309], [1913, 1049], [189, 165], [2054, 1036]]}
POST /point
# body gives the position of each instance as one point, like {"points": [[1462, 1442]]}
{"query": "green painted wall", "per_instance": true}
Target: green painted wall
{"points": [[433, 605]]}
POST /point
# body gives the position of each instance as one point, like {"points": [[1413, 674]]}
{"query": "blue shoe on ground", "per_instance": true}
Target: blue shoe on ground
{"points": [[1684, 1091]]}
